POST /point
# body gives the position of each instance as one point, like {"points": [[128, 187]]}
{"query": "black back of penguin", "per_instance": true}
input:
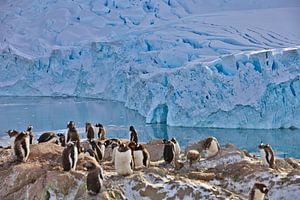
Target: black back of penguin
{"points": [[133, 134], [168, 153]]}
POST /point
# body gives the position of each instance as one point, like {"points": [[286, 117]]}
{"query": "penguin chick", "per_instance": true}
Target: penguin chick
{"points": [[94, 181], [12, 135], [140, 155], [193, 156], [21, 146], [258, 192], [70, 157], [123, 160], [211, 146]]}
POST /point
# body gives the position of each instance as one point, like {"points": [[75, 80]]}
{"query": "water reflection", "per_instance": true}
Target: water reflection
{"points": [[46, 113]]}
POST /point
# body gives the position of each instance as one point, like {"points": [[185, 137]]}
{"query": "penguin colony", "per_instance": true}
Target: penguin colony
{"points": [[125, 156]]}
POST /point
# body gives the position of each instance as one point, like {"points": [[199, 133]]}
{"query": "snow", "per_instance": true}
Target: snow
{"points": [[203, 63]]}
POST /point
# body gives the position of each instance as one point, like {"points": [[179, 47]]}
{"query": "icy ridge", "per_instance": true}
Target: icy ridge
{"points": [[244, 90]]}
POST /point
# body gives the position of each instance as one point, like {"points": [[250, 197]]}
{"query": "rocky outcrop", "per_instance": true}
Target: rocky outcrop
{"points": [[231, 174]]}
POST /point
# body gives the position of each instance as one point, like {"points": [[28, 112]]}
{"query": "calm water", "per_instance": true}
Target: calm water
{"points": [[46, 113]]}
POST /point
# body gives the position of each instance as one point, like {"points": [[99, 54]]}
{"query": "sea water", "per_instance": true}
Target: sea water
{"points": [[53, 114]]}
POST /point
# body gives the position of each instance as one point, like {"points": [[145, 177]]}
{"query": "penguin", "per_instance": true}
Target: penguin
{"points": [[47, 137], [61, 139], [12, 135], [258, 192], [70, 156], [140, 154], [113, 144], [91, 152], [169, 151], [176, 148], [133, 135], [193, 156], [267, 155], [89, 130], [21, 146], [211, 146], [29, 130], [98, 148], [123, 160], [101, 131], [94, 181], [73, 135]]}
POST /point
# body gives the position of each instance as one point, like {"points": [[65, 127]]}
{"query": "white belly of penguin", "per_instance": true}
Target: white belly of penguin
{"points": [[122, 162], [263, 157], [12, 144], [213, 149], [28, 149], [138, 159], [177, 150], [258, 195], [102, 150]]}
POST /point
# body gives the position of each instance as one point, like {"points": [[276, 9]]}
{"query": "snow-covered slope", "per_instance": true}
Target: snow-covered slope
{"points": [[184, 63]]}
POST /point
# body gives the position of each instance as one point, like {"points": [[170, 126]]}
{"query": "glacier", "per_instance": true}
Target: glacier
{"points": [[222, 64]]}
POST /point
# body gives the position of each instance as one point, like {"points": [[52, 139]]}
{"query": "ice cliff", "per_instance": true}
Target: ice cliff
{"points": [[225, 64]]}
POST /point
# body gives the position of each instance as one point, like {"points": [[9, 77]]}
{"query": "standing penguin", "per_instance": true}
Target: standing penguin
{"points": [[133, 135], [73, 135], [258, 192], [101, 131], [98, 149], [267, 155], [169, 151], [89, 130], [176, 148], [70, 157], [123, 160], [61, 139], [113, 144], [21, 146], [94, 181], [29, 130], [140, 155], [211, 146], [12, 135]]}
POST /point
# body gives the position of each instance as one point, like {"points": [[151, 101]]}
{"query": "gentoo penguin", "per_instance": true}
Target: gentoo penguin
{"points": [[29, 130], [113, 144], [91, 152], [133, 135], [141, 156], [123, 160], [47, 137], [258, 192], [169, 151], [98, 148], [61, 139], [101, 131], [21, 146], [73, 135], [94, 181], [70, 157], [267, 155], [89, 130], [211, 146], [176, 148], [12, 135], [193, 156]]}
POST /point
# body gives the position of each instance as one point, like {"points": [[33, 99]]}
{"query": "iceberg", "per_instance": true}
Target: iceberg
{"points": [[197, 64]]}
